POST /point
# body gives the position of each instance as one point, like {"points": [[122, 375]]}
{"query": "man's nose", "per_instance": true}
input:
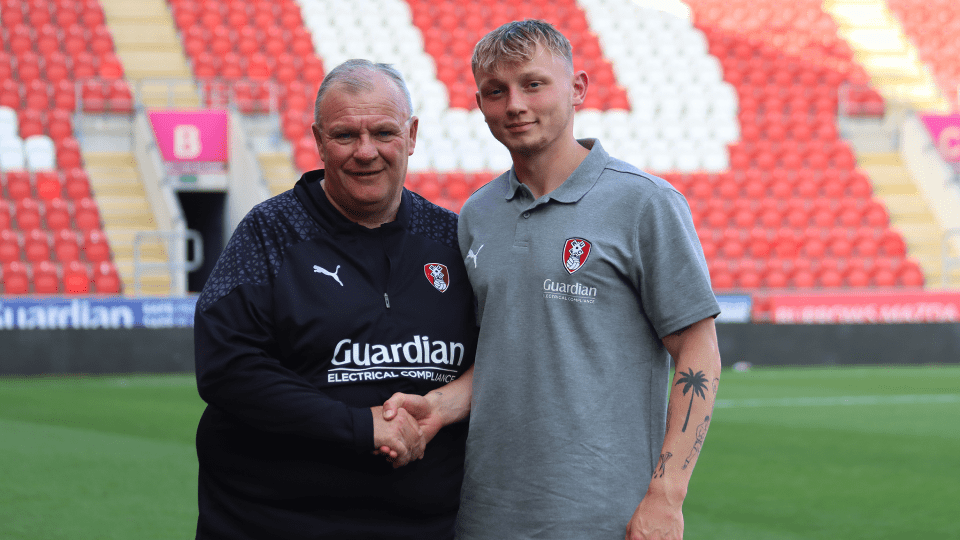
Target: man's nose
{"points": [[366, 149], [515, 102]]}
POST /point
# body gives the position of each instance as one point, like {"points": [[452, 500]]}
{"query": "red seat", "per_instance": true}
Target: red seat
{"points": [[76, 278], [96, 249], [57, 213], [15, 278], [18, 185], [911, 275], [9, 246], [46, 279], [65, 246], [86, 214], [48, 185], [36, 245], [6, 222], [77, 184], [106, 279], [27, 214]]}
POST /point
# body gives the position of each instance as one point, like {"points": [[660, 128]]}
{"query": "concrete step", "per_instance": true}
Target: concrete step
{"points": [[907, 207]]}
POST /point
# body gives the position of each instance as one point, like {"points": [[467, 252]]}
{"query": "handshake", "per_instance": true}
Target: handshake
{"points": [[404, 425]]}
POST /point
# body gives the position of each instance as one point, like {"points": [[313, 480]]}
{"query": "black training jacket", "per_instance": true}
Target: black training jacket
{"points": [[306, 321]]}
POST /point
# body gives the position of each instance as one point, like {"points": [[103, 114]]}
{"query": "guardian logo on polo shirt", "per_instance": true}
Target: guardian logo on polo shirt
{"points": [[575, 253], [438, 275]]}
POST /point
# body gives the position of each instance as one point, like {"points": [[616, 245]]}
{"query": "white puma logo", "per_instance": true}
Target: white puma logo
{"points": [[472, 255], [324, 271]]}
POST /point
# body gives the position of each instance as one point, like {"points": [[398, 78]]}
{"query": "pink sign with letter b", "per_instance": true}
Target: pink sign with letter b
{"points": [[191, 135]]}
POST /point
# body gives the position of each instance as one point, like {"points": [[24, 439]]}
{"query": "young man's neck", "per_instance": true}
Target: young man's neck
{"points": [[546, 171]]}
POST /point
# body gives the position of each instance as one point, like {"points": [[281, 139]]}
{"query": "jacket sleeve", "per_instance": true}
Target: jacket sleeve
{"points": [[237, 366]]}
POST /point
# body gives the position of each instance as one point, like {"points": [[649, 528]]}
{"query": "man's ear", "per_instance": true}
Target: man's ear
{"points": [[580, 83], [316, 137], [414, 125]]}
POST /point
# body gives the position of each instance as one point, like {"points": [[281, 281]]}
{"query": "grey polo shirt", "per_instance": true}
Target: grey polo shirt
{"points": [[575, 291]]}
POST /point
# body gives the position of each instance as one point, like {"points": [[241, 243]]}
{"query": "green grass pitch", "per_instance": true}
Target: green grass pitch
{"points": [[792, 453]]}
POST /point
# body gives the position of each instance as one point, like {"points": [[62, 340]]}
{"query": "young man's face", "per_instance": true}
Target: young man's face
{"points": [[365, 141], [529, 106]]}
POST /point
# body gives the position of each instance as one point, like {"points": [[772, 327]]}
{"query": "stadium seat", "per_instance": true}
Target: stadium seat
{"points": [[27, 214], [17, 184], [9, 246], [95, 247], [57, 214], [15, 278], [66, 248], [45, 278], [76, 278], [40, 153], [106, 279], [36, 244], [48, 185]]}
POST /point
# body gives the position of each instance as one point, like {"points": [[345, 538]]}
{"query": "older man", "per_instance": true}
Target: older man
{"points": [[328, 299], [587, 273]]}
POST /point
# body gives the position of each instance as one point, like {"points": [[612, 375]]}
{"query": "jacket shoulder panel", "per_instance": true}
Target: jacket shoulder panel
{"points": [[255, 251]]}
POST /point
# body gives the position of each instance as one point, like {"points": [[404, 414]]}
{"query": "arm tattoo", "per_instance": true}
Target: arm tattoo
{"points": [[661, 465], [696, 382], [698, 444], [716, 385]]}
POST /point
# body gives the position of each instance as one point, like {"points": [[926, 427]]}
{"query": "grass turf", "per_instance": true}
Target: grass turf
{"points": [[792, 453]]}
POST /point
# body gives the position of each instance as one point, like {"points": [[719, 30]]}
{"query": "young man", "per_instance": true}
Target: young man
{"points": [[328, 299], [587, 273]]}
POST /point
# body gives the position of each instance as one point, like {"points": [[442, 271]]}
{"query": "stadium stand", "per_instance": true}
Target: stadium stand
{"points": [[736, 107], [50, 52], [932, 26]]}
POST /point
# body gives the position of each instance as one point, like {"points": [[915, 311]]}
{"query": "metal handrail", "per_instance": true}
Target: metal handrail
{"points": [[948, 262], [177, 266]]}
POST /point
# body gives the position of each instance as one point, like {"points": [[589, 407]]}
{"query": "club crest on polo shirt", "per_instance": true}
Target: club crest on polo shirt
{"points": [[575, 253], [438, 275]]}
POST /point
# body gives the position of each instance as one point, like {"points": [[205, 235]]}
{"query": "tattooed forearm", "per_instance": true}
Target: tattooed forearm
{"points": [[716, 385], [698, 444], [661, 465]]}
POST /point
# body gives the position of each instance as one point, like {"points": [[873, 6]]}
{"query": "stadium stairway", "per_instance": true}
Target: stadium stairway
{"points": [[909, 213], [146, 41], [885, 52], [125, 211]]}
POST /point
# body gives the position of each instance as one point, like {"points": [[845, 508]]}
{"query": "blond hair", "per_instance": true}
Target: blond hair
{"points": [[517, 42]]}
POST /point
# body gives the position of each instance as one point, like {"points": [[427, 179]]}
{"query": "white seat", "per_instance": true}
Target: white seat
{"points": [[40, 153], [9, 125], [716, 160], [11, 154]]}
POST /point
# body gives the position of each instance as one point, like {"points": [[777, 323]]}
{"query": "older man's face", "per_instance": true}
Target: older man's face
{"points": [[364, 142]]}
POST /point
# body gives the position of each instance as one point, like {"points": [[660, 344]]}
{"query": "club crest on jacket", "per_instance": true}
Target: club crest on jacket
{"points": [[438, 275]]}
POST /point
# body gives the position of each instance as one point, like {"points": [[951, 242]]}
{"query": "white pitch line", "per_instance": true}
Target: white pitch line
{"points": [[909, 399]]}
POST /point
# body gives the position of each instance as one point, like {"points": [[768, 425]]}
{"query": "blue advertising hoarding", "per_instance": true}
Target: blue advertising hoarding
{"points": [[89, 312]]}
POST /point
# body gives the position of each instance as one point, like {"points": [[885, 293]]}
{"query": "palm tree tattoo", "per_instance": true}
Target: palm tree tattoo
{"points": [[696, 381]]}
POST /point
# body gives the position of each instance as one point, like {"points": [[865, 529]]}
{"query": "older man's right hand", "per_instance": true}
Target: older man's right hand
{"points": [[400, 439]]}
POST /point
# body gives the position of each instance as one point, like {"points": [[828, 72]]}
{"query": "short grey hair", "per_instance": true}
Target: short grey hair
{"points": [[516, 42], [354, 76]]}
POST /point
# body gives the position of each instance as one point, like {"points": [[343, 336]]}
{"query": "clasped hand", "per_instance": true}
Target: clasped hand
{"points": [[402, 427]]}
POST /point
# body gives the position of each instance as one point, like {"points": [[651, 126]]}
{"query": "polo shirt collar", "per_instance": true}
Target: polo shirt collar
{"points": [[580, 181]]}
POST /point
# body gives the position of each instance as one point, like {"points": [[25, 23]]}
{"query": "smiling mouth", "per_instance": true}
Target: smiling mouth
{"points": [[364, 173]]}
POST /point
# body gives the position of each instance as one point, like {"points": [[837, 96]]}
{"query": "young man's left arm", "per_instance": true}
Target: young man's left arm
{"points": [[693, 392]]}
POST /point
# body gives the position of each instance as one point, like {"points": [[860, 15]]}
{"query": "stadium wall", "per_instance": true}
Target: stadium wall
{"points": [[170, 350]]}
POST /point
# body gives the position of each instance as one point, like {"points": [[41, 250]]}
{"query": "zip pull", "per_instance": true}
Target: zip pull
{"points": [[386, 300]]}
